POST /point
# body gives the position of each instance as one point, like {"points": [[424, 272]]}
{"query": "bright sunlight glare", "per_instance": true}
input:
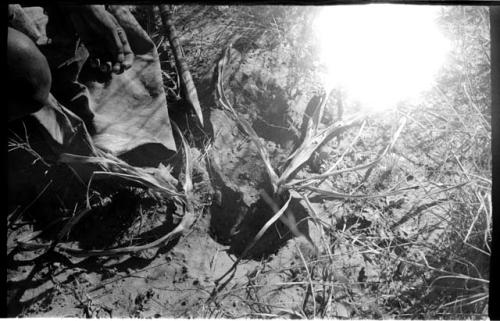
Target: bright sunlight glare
{"points": [[380, 54]]}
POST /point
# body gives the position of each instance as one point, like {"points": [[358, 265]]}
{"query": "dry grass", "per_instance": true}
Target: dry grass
{"points": [[402, 207], [105, 166], [422, 244]]}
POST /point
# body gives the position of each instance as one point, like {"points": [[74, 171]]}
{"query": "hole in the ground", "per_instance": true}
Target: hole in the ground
{"points": [[236, 225], [226, 210], [273, 122]]}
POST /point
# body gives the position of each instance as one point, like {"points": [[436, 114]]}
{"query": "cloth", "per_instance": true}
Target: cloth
{"points": [[129, 109]]}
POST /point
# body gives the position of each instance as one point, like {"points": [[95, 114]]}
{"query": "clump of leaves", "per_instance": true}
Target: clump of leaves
{"points": [[157, 180], [282, 180]]}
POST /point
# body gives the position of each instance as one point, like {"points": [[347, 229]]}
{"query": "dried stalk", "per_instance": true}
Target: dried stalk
{"points": [[313, 139], [312, 179], [119, 168]]}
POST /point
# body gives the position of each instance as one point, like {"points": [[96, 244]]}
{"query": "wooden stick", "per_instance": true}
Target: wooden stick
{"points": [[187, 84]]}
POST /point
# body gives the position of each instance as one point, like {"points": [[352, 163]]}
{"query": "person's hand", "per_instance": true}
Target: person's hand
{"points": [[102, 35]]}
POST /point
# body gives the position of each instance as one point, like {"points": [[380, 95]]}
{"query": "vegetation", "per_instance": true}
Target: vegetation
{"points": [[398, 203], [427, 239]]}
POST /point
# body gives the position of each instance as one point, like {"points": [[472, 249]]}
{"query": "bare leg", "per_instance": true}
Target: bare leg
{"points": [[29, 76]]}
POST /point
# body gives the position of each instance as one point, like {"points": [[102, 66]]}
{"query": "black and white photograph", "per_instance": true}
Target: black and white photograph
{"points": [[251, 161]]}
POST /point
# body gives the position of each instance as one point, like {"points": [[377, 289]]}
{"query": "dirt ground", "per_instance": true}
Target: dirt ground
{"points": [[177, 280], [180, 278], [370, 264]]}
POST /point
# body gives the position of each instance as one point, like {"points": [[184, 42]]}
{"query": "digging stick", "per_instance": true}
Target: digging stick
{"points": [[187, 84]]}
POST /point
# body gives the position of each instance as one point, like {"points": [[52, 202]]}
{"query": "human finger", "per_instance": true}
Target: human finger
{"points": [[118, 63], [106, 67], [114, 42], [128, 55], [117, 68]]}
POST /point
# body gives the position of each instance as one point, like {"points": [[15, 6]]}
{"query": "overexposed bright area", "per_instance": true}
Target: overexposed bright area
{"points": [[380, 54]]}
